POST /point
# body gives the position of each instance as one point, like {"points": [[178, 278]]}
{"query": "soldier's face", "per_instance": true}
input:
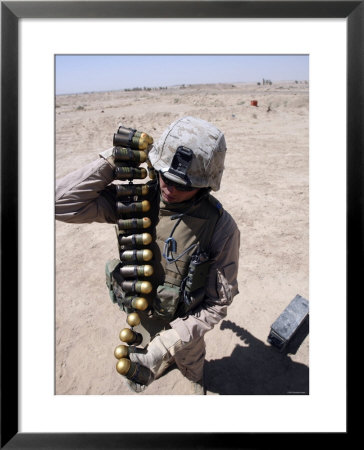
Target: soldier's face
{"points": [[171, 194]]}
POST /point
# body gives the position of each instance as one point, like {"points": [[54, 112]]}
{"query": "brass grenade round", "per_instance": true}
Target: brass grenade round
{"points": [[145, 287], [121, 351], [126, 335], [146, 136], [142, 144], [148, 270], [123, 366], [142, 157], [147, 254], [143, 173], [146, 238], [140, 303], [133, 319], [145, 205], [146, 222]]}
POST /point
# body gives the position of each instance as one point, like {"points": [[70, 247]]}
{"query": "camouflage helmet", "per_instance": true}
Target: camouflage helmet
{"points": [[190, 151]]}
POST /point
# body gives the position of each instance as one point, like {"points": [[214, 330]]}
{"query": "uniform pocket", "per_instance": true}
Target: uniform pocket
{"points": [[230, 273], [226, 288]]}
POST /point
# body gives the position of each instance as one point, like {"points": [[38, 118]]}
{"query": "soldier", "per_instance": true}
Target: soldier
{"points": [[195, 245]]}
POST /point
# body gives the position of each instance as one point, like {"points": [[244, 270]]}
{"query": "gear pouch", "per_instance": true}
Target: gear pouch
{"points": [[197, 272], [110, 267], [190, 301], [113, 283], [166, 302]]}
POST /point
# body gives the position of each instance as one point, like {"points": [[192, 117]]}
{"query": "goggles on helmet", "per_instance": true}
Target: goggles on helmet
{"points": [[178, 186]]}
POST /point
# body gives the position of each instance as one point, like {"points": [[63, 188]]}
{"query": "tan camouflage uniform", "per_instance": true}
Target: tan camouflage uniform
{"points": [[83, 197]]}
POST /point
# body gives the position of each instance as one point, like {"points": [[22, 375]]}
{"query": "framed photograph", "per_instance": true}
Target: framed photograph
{"points": [[38, 408]]}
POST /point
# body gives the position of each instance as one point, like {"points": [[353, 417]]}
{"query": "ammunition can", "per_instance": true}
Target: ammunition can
{"points": [[134, 240], [136, 255], [141, 287], [131, 190], [122, 208], [130, 337], [132, 224], [129, 173], [127, 154], [136, 271]]}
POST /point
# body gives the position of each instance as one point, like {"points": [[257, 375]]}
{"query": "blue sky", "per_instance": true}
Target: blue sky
{"points": [[88, 73]]}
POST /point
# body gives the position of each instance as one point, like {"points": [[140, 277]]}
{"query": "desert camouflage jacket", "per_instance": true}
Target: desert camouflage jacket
{"points": [[83, 196]]}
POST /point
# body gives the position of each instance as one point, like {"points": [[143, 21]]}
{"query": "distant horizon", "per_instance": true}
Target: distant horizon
{"points": [[80, 74], [156, 88]]}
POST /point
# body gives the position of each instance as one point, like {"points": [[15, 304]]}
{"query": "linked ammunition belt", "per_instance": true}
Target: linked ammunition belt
{"points": [[134, 233]]}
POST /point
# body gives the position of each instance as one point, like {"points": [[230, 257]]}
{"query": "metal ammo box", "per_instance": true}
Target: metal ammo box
{"points": [[288, 322]]}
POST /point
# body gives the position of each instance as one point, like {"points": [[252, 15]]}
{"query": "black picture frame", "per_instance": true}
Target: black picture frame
{"points": [[11, 12]]}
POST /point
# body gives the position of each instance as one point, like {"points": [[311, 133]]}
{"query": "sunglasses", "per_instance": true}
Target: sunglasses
{"points": [[179, 187]]}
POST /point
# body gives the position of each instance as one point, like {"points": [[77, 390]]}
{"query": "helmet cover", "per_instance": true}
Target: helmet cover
{"points": [[205, 166]]}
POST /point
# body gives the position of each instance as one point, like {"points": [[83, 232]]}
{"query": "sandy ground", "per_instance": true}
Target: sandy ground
{"points": [[264, 187]]}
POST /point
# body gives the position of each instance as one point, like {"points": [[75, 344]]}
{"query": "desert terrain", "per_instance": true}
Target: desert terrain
{"points": [[265, 187]]}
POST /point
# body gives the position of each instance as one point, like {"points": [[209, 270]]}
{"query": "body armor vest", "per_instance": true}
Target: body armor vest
{"points": [[182, 235]]}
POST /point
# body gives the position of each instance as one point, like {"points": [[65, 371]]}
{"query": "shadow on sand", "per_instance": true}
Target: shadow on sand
{"points": [[256, 368]]}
